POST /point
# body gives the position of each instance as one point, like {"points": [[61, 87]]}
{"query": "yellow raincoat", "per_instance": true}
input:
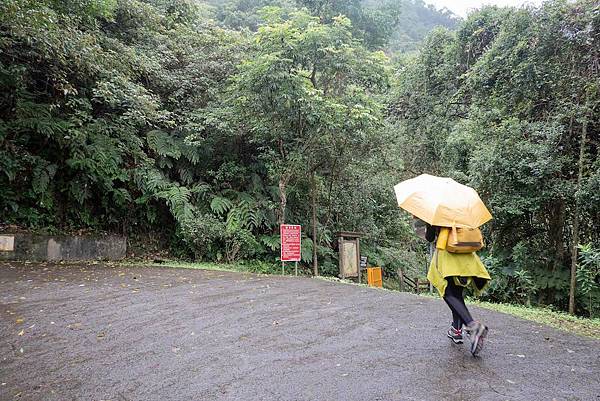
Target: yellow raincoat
{"points": [[445, 264]]}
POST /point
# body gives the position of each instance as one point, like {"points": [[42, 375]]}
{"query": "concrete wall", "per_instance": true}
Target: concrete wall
{"points": [[23, 246]]}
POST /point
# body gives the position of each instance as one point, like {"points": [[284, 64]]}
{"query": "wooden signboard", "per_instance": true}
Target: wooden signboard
{"points": [[7, 243]]}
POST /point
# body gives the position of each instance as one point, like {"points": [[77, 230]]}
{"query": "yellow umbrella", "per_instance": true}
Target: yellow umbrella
{"points": [[442, 201]]}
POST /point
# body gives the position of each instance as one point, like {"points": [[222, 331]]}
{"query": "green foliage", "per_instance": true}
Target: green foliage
{"points": [[240, 14], [220, 205], [142, 115], [588, 278], [211, 124], [203, 236], [94, 119], [240, 243], [306, 252], [163, 144], [272, 242], [415, 20], [507, 104], [547, 316], [262, 267]]}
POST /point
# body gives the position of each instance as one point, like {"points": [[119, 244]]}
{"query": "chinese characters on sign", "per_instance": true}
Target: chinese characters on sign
{"points": [[290, 242]]}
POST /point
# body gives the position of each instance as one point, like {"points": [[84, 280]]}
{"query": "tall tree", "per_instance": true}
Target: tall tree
{"points": [[305, 94]]}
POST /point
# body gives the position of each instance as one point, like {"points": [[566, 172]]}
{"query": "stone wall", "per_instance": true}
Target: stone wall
{"points": [[25, 246]]}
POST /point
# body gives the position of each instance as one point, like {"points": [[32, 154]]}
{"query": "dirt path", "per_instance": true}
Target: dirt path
{"points": [[102, 333]]}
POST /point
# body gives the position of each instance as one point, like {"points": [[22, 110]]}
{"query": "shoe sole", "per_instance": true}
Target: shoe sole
{"points": [[477, 344], [455, 341]]}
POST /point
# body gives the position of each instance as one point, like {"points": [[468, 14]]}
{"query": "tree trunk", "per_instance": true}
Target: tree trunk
{"points": [[575, 240], [557, 240], [283, 180], [282, 198], [313, 205]]}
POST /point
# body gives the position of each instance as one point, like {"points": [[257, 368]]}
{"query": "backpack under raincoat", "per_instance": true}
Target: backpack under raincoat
{"points": [[466, 265]]}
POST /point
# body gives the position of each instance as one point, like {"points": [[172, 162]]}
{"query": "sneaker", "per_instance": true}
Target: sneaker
{"points": [[477, 333], [455, 335]]}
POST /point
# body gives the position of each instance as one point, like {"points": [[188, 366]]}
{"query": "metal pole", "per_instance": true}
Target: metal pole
{"points": [[358, 258], [282, 267], [341, 256], [296, 268]]}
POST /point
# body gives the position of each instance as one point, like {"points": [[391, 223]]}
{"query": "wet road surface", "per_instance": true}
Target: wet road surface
{"points": [[96, 332]]}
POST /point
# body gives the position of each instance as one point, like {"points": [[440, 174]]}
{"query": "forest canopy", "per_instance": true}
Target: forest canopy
{"points": [[210, 123]]}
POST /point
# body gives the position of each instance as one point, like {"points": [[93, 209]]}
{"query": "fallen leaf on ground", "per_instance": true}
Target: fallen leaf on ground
{"points": [[21, 332], [19, 320]]}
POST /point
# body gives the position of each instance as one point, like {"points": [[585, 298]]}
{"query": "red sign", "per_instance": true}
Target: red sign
{"points": [[290, 242]]}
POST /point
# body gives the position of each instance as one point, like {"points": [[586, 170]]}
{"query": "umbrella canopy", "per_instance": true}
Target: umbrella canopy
{"points": [[442, 201]]}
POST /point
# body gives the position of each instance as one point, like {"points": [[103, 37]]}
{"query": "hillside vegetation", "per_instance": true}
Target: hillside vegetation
{"points": [[209, 124]]}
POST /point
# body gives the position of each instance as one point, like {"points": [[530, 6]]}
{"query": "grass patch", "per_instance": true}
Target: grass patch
{"points": [[589, 327], [258, 267], [194, 265]]}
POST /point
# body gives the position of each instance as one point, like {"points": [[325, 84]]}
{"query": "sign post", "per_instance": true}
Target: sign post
{"points": [[290, 245], [363, 263]]}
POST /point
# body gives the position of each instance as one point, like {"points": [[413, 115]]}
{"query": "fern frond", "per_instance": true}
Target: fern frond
{"points": [[220, 205], [165, 163], [178, 200], [201, 188], [163, 144], [186, 175], [273, 242], [191, 153], [246, 213], [42, 174], [306, 251], [121, 196], [257, 183], [150, 180]]}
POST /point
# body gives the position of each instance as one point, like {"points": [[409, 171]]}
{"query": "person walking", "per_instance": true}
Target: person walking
{"points": [[453, 213], [450, 273]]}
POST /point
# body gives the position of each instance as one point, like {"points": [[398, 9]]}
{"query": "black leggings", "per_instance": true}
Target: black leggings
{"points": [[454, 298]]}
